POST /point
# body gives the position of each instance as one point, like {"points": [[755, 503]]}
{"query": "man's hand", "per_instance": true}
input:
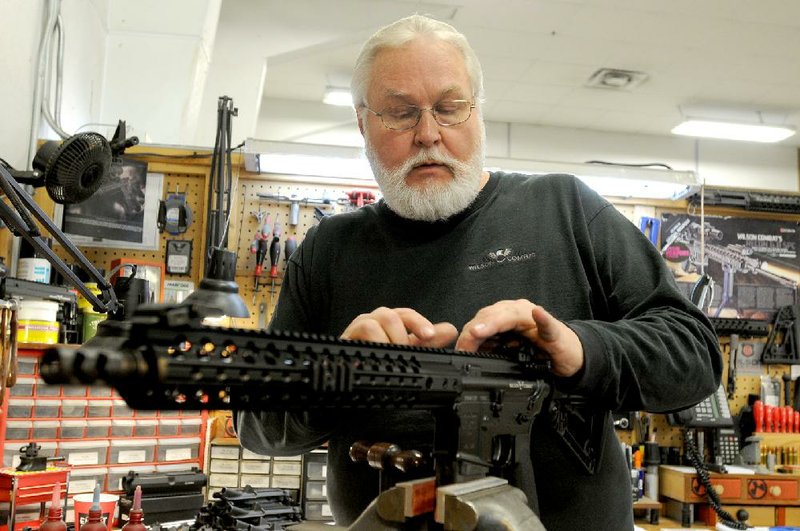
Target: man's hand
{"points": [[547, 333], [400, 326]]}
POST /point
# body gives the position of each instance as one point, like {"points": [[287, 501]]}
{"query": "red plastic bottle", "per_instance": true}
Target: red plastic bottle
{"points": [[54, 521], [136, 515], [95, 520]]}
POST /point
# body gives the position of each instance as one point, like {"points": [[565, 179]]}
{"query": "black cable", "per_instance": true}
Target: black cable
{"points": [[168, 156], [702, 472], [644, 165]]}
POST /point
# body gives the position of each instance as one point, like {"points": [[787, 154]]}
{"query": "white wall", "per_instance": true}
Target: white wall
{"points": [[237, 72], [85, 30], [158, 56], [20, 21], [718, 162], [145, 62]]}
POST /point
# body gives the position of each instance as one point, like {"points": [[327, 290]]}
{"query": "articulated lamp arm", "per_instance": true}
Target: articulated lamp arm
{"points": [[17, 217]]}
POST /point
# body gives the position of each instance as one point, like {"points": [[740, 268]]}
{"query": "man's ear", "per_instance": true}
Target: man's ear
{"points": [[360, 120]]}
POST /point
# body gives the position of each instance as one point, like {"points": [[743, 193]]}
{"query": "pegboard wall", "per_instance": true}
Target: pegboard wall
{"points": [[189, 174], [188, 180], [193, 186], [276, 198], [746, 384]]}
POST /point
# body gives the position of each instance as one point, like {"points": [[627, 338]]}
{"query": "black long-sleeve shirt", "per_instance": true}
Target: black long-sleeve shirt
{"points": [[548, 239]]}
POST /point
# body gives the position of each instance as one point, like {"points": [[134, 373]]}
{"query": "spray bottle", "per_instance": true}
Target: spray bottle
{"points": [[136, 515], [95, 520], [54, 522]]}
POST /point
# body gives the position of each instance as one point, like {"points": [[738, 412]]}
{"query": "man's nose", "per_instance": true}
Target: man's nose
{"points": [[427, 129]]}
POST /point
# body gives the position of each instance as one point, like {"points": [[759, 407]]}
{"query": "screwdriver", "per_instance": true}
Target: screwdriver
{"points": [[261, 253], [274, 257], [277, 231]]}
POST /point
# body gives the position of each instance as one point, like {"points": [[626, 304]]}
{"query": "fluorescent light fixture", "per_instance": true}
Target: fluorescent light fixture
{"points": [[337, 96], [611, 180], [733, 131], [313, 160]]}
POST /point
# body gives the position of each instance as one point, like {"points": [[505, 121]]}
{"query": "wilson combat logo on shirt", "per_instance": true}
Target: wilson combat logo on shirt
{"points": [[498, 257]]}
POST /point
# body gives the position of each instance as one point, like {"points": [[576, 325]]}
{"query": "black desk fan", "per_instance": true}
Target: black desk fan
{"points": [[74, 169]]}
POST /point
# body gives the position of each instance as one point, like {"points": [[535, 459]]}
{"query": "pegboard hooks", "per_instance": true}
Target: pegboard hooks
{"points": [[294, 203]]}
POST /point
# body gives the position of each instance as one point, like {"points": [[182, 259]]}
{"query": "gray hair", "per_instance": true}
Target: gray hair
{"points": [[401, 32]]}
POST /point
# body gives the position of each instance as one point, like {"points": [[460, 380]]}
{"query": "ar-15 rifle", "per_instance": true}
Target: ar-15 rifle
{"points": [[483, 404], [733, 258]]}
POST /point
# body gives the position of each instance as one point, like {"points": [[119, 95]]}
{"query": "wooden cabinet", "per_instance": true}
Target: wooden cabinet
{"points": [[766, 496]]}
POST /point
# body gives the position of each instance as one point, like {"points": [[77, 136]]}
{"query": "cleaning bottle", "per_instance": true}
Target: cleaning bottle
{"points": [[54, 521], [95, 520], [136, 515]]}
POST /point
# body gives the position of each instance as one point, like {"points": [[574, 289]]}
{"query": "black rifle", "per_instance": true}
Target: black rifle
{"points": [[483, 403], [732, 258]]}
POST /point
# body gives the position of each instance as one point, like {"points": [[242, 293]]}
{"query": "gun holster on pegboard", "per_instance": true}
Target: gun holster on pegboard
{"points": [[174, 215], [785, 326]]}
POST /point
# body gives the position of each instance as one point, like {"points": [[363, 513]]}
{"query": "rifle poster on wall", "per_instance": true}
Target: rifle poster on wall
{"points": [[122, 213], [754, 263]]}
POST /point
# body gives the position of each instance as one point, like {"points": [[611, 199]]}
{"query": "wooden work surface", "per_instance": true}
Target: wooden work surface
{"points": [[666, 523]]}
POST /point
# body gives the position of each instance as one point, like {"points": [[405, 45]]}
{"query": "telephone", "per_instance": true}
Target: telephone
{"points": [[711, 412], [725, 447]]}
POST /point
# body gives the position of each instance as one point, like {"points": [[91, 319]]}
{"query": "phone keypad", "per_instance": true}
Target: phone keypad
{"points": [[726, 446]]}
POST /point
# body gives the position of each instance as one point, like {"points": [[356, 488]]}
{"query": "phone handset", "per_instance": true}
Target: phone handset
{"points": [[711, 412]]}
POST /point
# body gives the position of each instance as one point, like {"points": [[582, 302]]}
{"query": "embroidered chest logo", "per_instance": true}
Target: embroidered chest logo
{"points": [[499, 257]]}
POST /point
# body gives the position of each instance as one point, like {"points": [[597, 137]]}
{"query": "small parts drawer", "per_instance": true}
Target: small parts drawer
{"points": [[726, 488], [769, 489]]}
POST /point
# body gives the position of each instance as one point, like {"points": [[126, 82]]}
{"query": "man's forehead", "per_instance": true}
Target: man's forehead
{"points": [[420, 86], [421, 58], [453, 90]]}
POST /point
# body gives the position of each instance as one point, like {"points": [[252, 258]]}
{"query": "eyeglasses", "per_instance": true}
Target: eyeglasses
{"points": [[405, 117]]}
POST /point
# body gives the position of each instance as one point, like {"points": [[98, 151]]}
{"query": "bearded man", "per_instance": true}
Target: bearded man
{"points": [[454, 255]]}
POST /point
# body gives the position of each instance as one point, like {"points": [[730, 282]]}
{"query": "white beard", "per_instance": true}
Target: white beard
{"points": [[432, 201]]}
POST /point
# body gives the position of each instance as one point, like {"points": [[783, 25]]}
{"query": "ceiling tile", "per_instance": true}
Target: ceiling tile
{"points": [[537, 93], [556, 73], [537, 54], [503, 68], [507, 111]]}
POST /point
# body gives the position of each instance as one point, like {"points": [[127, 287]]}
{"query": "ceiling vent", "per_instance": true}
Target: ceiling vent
{"points": [[616, 79]]}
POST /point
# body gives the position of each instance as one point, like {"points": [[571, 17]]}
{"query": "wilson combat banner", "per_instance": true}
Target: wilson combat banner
{"points": [[753, 262]]}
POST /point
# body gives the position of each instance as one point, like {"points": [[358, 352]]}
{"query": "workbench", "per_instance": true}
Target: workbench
{"points": [[651, 507]]}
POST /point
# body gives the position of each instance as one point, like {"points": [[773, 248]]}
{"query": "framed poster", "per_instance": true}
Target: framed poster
{"points": [[753, 262], [123, 213]]}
